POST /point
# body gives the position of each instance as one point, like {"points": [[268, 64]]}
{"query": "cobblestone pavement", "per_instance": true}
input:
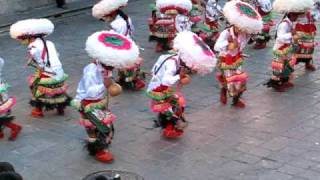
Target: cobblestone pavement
{"points": [[276, 137]]}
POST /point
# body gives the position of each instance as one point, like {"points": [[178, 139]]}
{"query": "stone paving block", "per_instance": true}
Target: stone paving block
{"points": [[274, 175], [254, 150], [278, 143], [301, 163], [287, 169], [311, 175]]}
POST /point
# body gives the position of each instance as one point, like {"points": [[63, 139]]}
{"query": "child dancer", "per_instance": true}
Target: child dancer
{"points": [[244, 20], [111, 12], [109, 50], [170, 70], [47, 85], [6, 103]]}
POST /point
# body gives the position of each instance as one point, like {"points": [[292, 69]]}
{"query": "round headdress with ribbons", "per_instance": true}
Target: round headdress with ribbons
{"points": [[31, 28], [194, 52], [243, 16], [112, 49]]}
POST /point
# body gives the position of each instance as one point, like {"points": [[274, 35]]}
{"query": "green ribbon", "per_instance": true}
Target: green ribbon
{"points": [[114, 40]]}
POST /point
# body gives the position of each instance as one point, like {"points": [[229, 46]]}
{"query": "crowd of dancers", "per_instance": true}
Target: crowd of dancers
{"points": [[195, 37]]}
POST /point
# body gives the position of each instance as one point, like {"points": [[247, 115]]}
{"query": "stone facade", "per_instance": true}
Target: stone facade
{"points": [[12, 6]]}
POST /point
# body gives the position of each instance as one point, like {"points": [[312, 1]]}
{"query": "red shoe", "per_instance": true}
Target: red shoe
{"points": [[37, 113], [15, 130], [281, 88], [1, 134], [288, 85], [104, 156], [60, 112], [239, 104], [310, 67], [139, 84], [171, 132], [223, 96], [260, 46]]}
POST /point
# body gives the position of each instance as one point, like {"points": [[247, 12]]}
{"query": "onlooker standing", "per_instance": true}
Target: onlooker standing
{"points": [[61, 4]]}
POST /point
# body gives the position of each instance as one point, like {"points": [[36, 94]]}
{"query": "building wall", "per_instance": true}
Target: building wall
{"points": [[11, 6]]}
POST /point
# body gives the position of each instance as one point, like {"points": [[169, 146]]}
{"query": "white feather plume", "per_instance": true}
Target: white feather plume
{"points": [[118, 58], [286, 6], [242, 21], [191, 52], [105, 7], [31, 27]]}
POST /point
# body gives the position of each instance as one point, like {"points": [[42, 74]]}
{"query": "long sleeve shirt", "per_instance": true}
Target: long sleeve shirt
{"points": [[38, 53], [164, 72], [284, 33], [91, 85], [223, 41], [119, 25]]}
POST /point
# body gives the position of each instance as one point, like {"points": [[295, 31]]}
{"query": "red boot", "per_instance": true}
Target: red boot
{"points": [[139, 84], [171, 132], [15, 130], [239, 103], [60, 111], [1, 134], [37, 113], [310, 67], [288, 85], [104, 156], [223, 96]]}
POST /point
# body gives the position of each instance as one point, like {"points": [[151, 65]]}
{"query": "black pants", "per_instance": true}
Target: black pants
{"points": [[60, 2]]}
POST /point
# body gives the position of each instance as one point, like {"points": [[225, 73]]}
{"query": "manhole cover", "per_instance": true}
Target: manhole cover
{"points": [[113, 175]]}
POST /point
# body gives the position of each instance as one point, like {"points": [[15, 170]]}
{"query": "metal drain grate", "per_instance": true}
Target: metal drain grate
{"points": [[113, 175]]}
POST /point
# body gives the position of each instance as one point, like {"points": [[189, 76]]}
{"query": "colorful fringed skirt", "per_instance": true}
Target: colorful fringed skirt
{"points": [[304, 47], [98, 120], [230, 74], [196, 18], [5, 110], [165, 100], [94, 110], [48, 92], [209, 32], [169, 105], [282, 66], [162, 29], [264, 36]]}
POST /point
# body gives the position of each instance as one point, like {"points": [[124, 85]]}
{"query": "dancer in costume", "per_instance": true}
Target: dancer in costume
{"points": [[48, 83], [108, 50], [244, 20], [305, 30], [196, 14], [171, 70], [264, 8], [164, 23], [209, 32], [283, 62], [162, 29], [6, 104], [110, 11]]}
